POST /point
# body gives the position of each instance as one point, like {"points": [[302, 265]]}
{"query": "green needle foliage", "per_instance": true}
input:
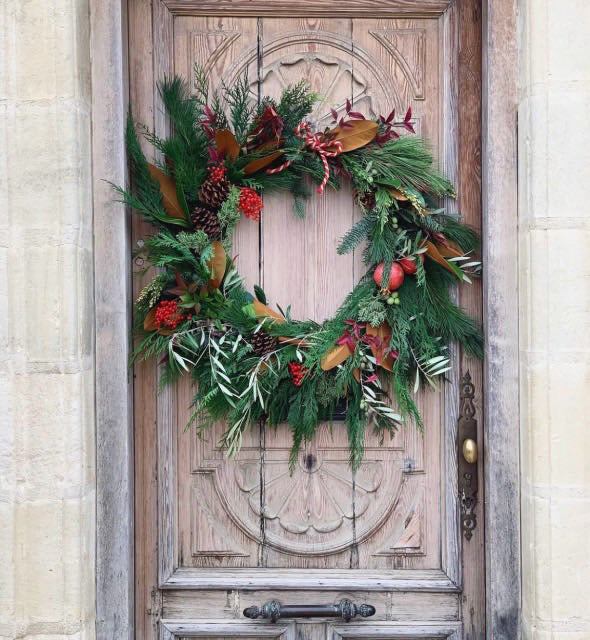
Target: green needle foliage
{"points": [[250, 366]]}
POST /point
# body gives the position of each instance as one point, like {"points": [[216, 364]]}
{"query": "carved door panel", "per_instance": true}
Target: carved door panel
{"points": [[216, 535]]}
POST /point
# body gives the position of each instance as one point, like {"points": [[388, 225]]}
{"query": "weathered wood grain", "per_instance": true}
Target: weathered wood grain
{"points": [[359, 8], [469, 205], [313, 579], [112, 294], [500, 219], [144, 373], [450, 164], [396, 606]]}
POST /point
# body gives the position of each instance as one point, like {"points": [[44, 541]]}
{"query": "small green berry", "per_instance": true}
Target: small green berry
{"points": [[390, 300], [363, 404], [394, 220], [397, 301]]}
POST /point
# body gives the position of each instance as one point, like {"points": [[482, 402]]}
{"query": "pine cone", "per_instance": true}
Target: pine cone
{"points": [[206, 220], [263, 343], [212, 193], [367, 199]]}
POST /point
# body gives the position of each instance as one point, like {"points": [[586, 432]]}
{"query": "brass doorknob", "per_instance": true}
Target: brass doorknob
{"points": [[470, 451]]}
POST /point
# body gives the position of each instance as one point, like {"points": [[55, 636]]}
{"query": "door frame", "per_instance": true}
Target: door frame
{"points": [[112, 297]]}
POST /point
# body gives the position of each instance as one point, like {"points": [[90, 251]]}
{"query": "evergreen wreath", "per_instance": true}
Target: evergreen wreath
{"points": [[251, 364]]}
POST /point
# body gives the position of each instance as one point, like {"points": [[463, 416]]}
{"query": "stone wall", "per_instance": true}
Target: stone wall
{"points": [[554, 265], [47, 480]]}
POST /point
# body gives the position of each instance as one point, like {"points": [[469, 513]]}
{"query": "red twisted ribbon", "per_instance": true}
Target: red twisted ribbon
{"points": [[315, 142]]}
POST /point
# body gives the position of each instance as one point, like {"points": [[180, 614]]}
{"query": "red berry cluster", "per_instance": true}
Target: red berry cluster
{"points": [[297, 372], [217, 173], [168, 315], [250, 203]]}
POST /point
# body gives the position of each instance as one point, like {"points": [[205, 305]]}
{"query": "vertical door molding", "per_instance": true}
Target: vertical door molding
{"points": [[112, 287], [500, 298]]}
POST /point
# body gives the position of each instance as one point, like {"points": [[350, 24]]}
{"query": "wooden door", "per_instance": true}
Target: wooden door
{"points": [[215, 535]]}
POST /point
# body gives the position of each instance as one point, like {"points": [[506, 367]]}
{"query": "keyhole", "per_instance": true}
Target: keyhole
{"points": [[309, 461]]}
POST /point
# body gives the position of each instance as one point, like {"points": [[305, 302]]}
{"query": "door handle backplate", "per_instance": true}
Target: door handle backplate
{"points": [[468, 455]]}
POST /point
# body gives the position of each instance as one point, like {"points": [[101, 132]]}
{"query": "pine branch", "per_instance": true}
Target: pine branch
{"points": [[359, 233]]}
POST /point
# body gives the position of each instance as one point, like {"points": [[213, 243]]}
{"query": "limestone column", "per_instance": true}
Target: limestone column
{"points": [[47, 486], [554, 265]]}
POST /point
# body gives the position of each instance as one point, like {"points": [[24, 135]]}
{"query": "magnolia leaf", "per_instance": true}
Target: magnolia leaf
{"points": [[450, 250], [398, 195], [355, 135], [226, 144], [434, 254], [261, 163], [356, 374], [217, 264], [168, 191], [176, 291], [383, 334], [335, 357], [149, 322], [416, 197], [263, 311]]}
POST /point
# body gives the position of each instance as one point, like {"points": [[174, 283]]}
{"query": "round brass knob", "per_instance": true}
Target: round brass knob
{"points": [[470, 451]]}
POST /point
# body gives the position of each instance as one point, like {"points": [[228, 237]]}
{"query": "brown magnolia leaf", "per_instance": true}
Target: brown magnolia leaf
{"points": [[176, 291], [168, 191], [335, 357], [398, 195], [451, 250], [266, 312], [149, 322], [226, 144], [434, 254], [261, 163], [217, 264], [357, 374], [356, 134], [383, 334]]}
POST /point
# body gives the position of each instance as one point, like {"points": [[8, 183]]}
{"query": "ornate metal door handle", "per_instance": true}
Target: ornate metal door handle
{"points": [[468, 456], [345, 609]]}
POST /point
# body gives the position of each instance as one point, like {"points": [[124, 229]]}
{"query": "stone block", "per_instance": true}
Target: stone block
{"points": [[534, 309], [51, 55], [52, 453], [532, 45], [50, 172], [570, 560], [567, 41], [567, 281], [51, 318], [569, 408], [535, 420]]}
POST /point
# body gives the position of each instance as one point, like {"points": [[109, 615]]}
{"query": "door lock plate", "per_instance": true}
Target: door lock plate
{"points": [[468, 456]]}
